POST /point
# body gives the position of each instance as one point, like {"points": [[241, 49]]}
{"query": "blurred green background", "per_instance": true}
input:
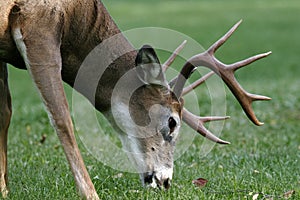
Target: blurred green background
{"points": [[260, 160]]}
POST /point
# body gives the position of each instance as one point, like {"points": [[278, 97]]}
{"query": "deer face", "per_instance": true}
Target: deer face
{"points": [[158, 122], [155, 119]]}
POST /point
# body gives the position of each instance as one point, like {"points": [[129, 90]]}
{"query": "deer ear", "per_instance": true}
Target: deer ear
{"points": [[148, 66]]}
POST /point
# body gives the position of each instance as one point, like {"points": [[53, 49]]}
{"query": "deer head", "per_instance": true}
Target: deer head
{"points": [[151, 119], [154, 111]]}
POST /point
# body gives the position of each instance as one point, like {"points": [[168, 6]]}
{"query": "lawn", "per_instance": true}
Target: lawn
{"points": [[260, 160]]}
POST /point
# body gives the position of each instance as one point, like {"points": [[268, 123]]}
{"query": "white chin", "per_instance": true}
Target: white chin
{"points": [[152, 185]]}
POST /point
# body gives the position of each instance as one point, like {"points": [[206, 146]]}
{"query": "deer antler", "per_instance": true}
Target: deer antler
{"points": [[226, 72]]}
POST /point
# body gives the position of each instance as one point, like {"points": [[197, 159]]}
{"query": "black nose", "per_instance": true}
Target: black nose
{"points": [[167, 183], [148, 178]]}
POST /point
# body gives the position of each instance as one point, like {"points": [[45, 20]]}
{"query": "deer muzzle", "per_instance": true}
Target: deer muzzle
{"points": [[161, 179]]}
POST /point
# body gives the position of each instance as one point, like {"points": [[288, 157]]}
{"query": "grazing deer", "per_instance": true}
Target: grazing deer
{"points": [[51, 39]]}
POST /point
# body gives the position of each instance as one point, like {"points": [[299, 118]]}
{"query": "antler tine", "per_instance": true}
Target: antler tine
{"points": [[192, 86], [240, 64], [226, 72], [196, 123], [212, 118], [223, 39], [171, 59]]}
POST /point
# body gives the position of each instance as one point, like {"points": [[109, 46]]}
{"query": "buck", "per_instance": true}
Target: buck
{"points": [[52, 38]]}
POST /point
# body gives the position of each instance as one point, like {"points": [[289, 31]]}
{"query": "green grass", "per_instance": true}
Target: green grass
{"points": [[262, 160]]}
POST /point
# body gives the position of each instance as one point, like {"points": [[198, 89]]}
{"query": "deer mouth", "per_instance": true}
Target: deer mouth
{"points": [[154, 181]]}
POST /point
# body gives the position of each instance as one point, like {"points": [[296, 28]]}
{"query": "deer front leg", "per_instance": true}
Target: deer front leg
{"points": [[5, 115], [43, 60], [49, 84]]}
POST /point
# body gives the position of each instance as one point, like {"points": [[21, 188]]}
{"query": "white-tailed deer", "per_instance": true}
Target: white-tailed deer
{"points": [[52, 38]]}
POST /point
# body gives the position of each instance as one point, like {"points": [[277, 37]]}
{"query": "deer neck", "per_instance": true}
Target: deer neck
{"points": [[95, 53]]}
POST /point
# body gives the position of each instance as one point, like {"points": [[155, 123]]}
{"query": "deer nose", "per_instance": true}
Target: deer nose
{"points": [[163, 183], [166, 183]]}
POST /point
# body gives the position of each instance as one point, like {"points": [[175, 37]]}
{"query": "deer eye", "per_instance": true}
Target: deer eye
{"points": [[172, 124]]}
